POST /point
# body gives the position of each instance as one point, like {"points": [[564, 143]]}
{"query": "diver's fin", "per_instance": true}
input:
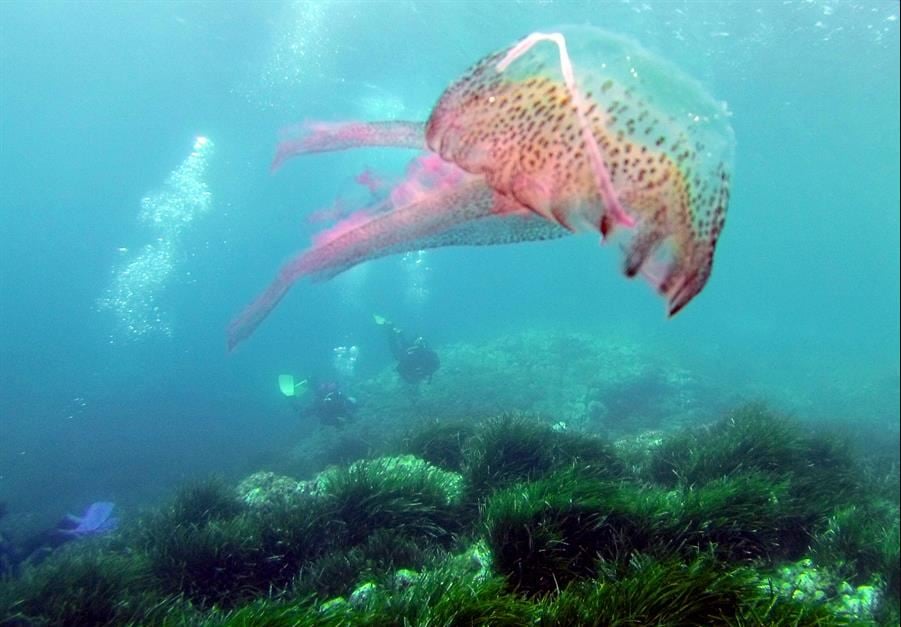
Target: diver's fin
{"points": [[286, 384], [289, 387]]}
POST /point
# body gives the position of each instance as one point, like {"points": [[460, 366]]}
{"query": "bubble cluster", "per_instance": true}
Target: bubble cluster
{"points": [[77, 408], [344, 360], [139, 280], [417, 269], [301, 45]]}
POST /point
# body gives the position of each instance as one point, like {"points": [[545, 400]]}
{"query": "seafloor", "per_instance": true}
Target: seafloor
{"points": [[542, 478]]}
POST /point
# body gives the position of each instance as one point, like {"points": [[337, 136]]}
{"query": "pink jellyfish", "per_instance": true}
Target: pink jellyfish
{"points": [[563, 132]]}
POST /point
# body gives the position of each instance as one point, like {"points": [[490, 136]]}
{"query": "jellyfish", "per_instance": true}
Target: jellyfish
{"points": [[564, 132]]}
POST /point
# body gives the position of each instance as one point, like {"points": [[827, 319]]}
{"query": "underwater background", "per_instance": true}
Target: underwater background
{"points": [[138, 216]]}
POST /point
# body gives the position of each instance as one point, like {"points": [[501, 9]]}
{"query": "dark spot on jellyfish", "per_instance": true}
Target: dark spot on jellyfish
{"points": [[660, 141]]}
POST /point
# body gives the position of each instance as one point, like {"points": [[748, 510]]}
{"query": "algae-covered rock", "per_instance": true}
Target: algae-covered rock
{"points": [[804, 582], [637, 451], [362, 594], [404, 578], [606, 382], [861, 603], [479, 559], [333, 605], [263, 490]]}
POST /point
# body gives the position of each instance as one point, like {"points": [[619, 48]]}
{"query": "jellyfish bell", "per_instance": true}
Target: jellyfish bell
{"points": [[589, 130]]}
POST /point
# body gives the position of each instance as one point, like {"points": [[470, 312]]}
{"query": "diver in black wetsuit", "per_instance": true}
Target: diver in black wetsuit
{"points": [[332, 406], [416, 362]]}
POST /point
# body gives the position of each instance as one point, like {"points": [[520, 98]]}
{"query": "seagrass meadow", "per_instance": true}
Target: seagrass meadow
{"points": [[752, 519]]}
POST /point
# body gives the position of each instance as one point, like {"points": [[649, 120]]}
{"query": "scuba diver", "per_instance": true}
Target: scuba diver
{"points": [[415, 360], [332, 406], [329, 403]]}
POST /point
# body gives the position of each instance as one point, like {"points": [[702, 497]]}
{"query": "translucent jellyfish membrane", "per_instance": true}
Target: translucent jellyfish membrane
{"points": [[137, 283], [590, 131]]}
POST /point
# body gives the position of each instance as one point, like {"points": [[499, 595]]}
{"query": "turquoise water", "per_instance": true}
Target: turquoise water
{"points": [[116, 384]]}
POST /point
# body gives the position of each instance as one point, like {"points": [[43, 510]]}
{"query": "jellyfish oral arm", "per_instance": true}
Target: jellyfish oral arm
{"points": [[331, 136], [613, 207], [362, 237]]}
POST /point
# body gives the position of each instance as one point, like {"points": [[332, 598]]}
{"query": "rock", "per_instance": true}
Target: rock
{"points": [[265, 489], [332, 604], [404, 578], [479, 556], [362, 595]]}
